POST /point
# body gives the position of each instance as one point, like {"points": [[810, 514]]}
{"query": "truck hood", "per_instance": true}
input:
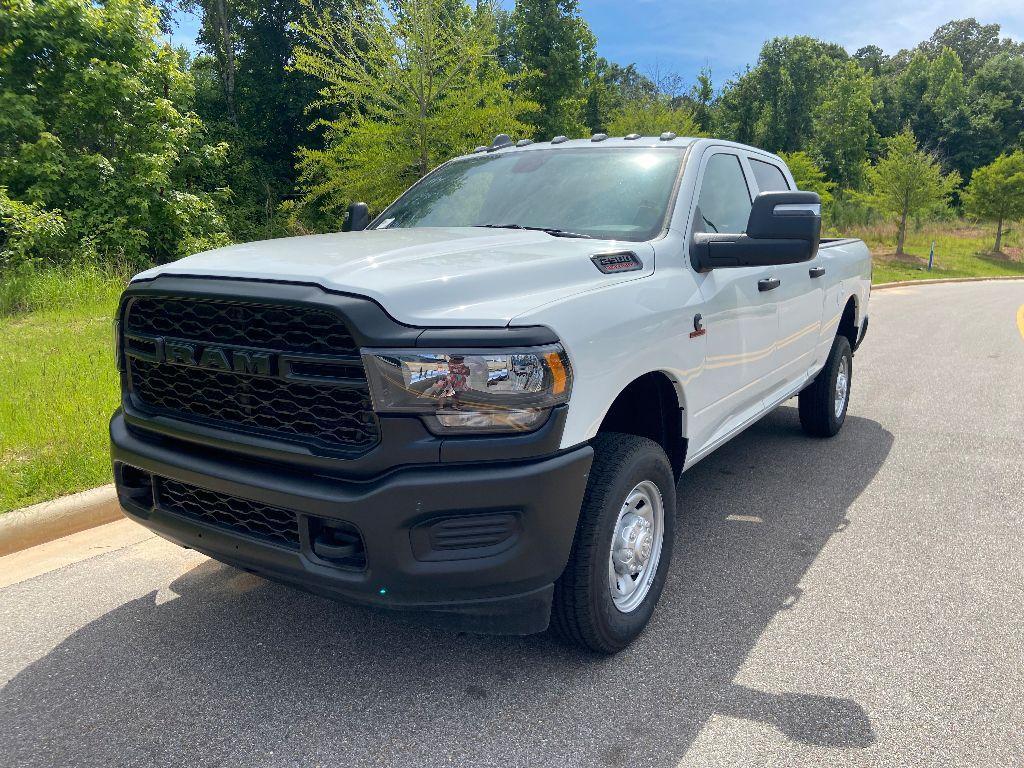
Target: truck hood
{"points": [[454, 276]]}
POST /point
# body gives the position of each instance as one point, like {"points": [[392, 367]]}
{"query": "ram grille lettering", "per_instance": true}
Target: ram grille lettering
{"points": [[245, 361]]}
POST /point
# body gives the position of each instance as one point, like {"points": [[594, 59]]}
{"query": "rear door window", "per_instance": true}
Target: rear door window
{"points": [[769, 178]]}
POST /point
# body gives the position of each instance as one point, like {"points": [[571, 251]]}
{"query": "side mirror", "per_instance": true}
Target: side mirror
{"points": [[358, 218], [783, 228]]}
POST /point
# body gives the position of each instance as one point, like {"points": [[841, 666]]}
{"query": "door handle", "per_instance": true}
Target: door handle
{"points": [[816, 271], [768, 284]]}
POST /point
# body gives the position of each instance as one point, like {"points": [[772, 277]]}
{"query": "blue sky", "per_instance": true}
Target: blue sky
{"points": [[682, 37]]}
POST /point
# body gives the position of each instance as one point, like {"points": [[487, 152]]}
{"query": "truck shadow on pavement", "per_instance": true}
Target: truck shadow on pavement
{"points": [[223, 668]]}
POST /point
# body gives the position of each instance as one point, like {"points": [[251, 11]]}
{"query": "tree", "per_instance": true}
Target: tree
{"points": [[553, 50], [651, 115], [872, 59], [610, 86], [96, 122], [973, 43], [250, 98], [809, 177], [997, 94], [702, 97], [771, 105], [931, 95], [842, 125], [907, 181], [996, 192], [417, 82]]}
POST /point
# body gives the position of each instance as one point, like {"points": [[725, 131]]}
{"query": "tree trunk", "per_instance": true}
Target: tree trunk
{"points": [[903, 231], [999, 234], [223, 22], [424, 153]]}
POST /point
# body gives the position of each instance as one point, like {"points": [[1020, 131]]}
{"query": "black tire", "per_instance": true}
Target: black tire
{"points": [[584, 612], [818, 401]]}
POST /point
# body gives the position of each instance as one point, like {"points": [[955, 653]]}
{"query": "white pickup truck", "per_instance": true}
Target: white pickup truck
{"points": [[475, 409]]}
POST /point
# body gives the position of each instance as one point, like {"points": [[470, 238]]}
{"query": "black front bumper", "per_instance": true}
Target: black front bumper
{"points": [[508, 591]]}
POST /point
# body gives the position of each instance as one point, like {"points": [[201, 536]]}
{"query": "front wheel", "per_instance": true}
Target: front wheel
{"points": [[823, 404], [623, 546]]}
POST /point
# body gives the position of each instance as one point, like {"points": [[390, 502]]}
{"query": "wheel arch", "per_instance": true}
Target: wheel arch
{"points": [[849, 321], [631, 412]]}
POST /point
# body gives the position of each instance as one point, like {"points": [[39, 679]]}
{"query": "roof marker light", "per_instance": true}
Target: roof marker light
{"points": [[479, 149], [524, 142], [667, 136], [559, 139], [599, 137], [632, 137]]}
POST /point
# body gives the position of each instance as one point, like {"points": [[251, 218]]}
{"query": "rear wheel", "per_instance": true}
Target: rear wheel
{"points": [[823, 404], [623, 546]]}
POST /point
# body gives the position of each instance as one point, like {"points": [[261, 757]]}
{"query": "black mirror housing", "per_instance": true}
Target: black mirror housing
{"points": [[783, 228], [358, 218]]}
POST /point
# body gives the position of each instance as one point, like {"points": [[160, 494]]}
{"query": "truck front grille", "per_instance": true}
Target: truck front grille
{"points": [[284, 328], [313, 392], [248, 518]]}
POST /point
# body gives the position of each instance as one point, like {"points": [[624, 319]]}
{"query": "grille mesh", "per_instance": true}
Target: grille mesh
{"points": [[319, 412], [249, 518], [334, 415], [284, 329]]}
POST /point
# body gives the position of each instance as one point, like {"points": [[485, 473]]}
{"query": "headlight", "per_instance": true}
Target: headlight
{"points": [[470, 391]]}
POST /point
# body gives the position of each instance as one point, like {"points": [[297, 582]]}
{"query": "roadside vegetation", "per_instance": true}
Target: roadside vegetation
{"points": [[58, 385], [962, 249]]}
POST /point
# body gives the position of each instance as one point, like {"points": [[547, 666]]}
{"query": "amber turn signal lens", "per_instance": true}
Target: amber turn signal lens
{"points": [[558, 375]]}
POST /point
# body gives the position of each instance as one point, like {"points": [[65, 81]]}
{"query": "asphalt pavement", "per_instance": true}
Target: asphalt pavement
{"points": [[856, 602]]}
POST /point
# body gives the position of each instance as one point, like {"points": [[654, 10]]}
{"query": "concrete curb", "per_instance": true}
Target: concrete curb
{"points": [[937, 281], [49, 520]]}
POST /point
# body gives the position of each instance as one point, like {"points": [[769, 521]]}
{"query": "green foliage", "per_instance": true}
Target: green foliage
{"points": [[419, 82], [908, 182], [97, 125], [930, 95], [973, 43], [996, 94], [610, 87], [552, 48], [116, 149], [651, 115], [771, 105], [809, 177], [996, 192], [702, 97], [26, 229], [842, 125], [250, 98]]}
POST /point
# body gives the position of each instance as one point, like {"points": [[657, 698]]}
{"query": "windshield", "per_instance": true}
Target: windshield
{"points": [[612, 193]]}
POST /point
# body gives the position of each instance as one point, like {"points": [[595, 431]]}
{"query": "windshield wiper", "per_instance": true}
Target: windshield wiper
{"points": [[554, 232]]}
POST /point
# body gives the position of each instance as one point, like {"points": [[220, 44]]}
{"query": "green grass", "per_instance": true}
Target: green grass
{"points": [[961, 250], [58, 385]]}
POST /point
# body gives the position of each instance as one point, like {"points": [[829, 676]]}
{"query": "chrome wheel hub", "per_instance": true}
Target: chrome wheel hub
{"points": [[636, 546], [842, 387]]}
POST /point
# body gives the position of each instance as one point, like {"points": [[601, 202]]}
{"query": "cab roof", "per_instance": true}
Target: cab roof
{"points": [[503, 144]]}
